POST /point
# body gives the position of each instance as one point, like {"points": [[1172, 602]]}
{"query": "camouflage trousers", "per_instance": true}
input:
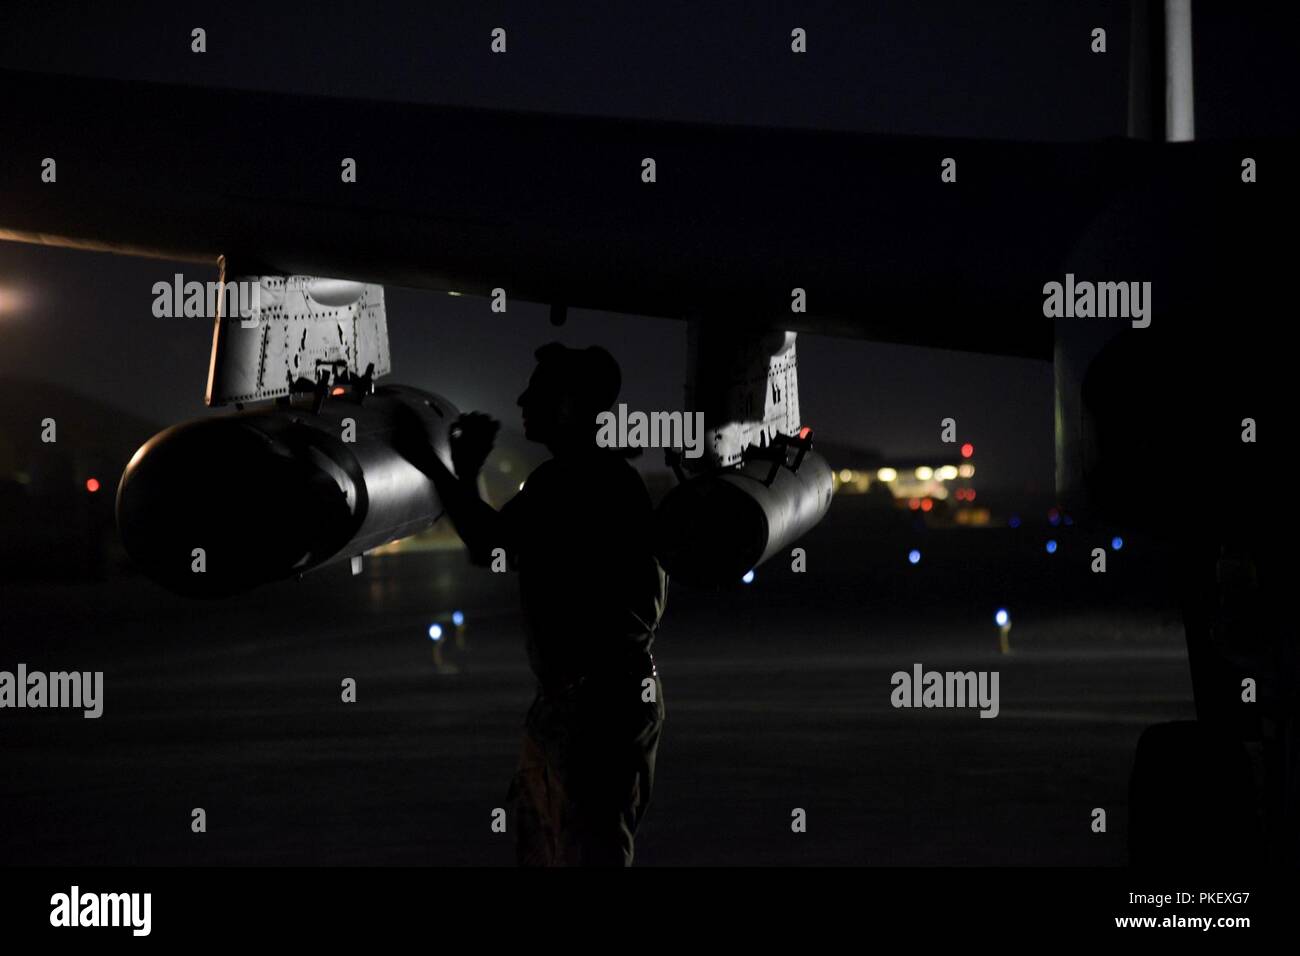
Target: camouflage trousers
{"points": [[586, 771]]}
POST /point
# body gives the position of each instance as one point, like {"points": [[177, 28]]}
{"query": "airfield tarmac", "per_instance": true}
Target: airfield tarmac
{"points": [[777, 696]]}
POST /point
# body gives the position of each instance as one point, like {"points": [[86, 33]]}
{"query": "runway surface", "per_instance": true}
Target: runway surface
{"points": [[777, 696]]}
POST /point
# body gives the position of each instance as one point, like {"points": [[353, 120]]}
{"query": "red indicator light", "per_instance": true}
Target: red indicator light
{"points": [[805, 432], [927, 504], [967, 450], [92, 485]]}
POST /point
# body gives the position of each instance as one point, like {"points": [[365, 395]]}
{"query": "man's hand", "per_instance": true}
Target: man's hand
{"points": [[479, 525], [471, 441]]}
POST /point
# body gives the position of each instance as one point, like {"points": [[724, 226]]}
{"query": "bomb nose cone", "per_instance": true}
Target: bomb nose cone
{"points": [[710, 532], [214, 507]]}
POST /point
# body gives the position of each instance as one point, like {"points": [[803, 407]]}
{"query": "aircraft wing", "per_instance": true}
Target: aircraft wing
{"points": [[554, 209]]}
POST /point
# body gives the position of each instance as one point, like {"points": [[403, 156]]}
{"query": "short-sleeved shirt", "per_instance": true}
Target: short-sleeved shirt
{"points": [[580, 534]]}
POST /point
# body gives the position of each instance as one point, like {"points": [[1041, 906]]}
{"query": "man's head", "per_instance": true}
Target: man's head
{"points": [[569, 388]]}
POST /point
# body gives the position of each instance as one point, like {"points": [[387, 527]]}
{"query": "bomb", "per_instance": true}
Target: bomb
{"points": [[218, 506], [712, 529]]}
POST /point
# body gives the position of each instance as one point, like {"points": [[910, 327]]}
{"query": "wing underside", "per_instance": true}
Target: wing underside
{"points": [[555, 209]]}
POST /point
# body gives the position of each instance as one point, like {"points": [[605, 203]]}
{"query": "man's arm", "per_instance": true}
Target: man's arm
{"points": [[480, 526]]}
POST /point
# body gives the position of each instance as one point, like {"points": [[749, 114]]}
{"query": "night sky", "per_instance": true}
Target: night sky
{"points": [[1004, 70]]}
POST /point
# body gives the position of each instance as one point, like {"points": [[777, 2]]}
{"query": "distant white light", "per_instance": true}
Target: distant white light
{"points": [[1002, 618], [924, 473], [914, 556], [846, 475], [967, 470], [435, 632], [521, 486], [458, 618], [749, 577], [456, 294], [886, 474], [947, 473]]}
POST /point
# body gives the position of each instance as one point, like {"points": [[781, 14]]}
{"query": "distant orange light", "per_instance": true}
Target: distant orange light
{"points": [[967, 450], [927, 504], [337, 390], [92, 485]]}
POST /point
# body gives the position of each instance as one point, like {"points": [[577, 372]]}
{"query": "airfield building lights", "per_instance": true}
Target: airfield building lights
{"points": [[1003, 621]]}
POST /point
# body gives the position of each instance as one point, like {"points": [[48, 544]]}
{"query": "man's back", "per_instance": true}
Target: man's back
{"points": [[580, 534]]}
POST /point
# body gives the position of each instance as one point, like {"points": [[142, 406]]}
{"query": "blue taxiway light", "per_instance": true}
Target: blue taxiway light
{"points": [[1051, 546], [914, 556]]}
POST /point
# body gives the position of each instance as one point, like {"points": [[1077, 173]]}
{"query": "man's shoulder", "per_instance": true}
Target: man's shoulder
{"points": [[553, 477], [599, 474], [616, 468], [600, 462]]}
